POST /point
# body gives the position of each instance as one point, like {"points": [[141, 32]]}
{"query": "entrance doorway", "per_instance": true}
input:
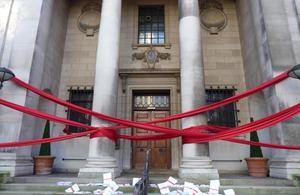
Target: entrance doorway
{"points": [[149, 107]]}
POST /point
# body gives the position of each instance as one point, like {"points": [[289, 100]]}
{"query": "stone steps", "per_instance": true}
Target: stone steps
{"points": [[242, 185], [53, 189]]}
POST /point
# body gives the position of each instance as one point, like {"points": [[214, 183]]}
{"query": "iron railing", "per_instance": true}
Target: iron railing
{"points": [[140, 188]]}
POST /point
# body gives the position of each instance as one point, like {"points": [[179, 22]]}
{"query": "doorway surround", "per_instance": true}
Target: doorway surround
{"points": [[149, 80], [149, 106]]}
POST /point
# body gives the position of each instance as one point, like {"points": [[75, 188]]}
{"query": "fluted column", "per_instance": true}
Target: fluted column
{"points": [[102, 150], [195, 162]]}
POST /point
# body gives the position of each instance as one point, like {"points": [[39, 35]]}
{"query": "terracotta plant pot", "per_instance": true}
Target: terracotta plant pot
{"points": [[257, 166], [43, 164]]}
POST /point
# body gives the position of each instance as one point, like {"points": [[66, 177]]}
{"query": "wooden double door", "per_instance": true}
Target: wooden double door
{"points": [[160, 154]]}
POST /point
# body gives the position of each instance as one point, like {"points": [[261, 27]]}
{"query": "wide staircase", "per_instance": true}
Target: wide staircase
{"points": [[57, 183]]}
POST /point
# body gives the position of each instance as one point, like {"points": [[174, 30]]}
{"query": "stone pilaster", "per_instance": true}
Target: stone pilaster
{"points": [[279, 31], [16, 54], [195, 162], [102, 150]]}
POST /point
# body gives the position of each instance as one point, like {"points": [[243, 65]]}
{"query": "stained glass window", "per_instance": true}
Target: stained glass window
{"points": [[148, 101]]}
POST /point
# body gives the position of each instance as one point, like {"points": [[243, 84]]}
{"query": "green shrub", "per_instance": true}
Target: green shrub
{"points": [[255, 151], [45, 148]]}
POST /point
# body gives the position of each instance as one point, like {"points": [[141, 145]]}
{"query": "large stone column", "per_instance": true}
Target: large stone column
{"points": [[102, 150], [195, 162]]}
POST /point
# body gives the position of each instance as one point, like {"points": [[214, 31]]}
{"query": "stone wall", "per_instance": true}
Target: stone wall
{"points": [[78, 69], [224, 69]]}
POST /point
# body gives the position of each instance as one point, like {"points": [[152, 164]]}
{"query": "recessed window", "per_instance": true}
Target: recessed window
{"points": [[151, 25], [225, 115], [82, 98]]}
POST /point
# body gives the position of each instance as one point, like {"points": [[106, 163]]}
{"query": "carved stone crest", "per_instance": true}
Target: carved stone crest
{"points": [[151, 56]]}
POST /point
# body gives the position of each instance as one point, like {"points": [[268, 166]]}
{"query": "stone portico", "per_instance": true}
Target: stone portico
{"points": [[44, 44]]}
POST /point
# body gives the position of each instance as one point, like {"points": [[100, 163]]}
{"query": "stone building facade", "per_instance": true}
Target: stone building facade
{"points": [[123, 54]]}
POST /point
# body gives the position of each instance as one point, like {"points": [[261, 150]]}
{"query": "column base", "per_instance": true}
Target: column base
{"points": [[16, 165], [197, 167], [284, 168], [97, 166]]}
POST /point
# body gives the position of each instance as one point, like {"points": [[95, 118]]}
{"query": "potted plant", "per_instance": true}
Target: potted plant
{"points": [[43, 163], [257, 164]]}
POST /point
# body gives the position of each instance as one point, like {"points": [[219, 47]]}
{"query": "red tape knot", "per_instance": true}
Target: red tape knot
{"points": [[103, 132]]}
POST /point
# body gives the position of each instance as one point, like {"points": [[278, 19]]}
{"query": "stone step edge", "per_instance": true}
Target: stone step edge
{"points": [[224, 182], [59, 187], [155, 191]]}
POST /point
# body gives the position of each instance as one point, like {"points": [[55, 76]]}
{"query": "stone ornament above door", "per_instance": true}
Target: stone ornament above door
{"points": [[151, 56], [212, 17], [89, 20]]}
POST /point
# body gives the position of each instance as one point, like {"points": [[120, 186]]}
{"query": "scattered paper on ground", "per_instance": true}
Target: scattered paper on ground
{"points": [[112, 187], [72, 189], [107, 178]]}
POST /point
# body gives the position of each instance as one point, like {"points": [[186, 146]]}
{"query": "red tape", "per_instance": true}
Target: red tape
{"points": [[190, 135]]}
